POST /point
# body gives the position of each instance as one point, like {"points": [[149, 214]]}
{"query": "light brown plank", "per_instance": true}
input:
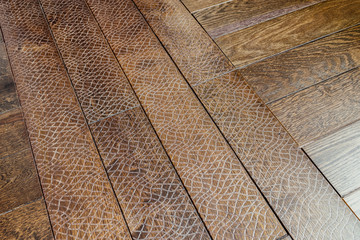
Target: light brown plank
{"points": [[196, 5], [26, 222], [353, 200], [299, 194], [252, 44], [337, 156], [281, 75], [234, 15], [79, 198], [224, 195], [321, 109], [152, 197]]}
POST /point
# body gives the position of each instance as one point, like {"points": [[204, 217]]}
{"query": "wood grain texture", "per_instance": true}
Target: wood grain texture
{"points": [[79, 198], [152, 197], [13, 133], [189, 45], [196, 5], [321, 109], [252, 44], [337, 156], [26, 222], [234, 15], [281, 75], [353, 200], [296, 190], [226, 198]]}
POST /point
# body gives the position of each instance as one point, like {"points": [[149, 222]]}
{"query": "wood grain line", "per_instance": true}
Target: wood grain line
{"points": [[196, 5], [353, 200]]}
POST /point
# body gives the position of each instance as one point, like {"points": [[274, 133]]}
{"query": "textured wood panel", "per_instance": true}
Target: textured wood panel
{"points": [[302, 198], [79, 198], [154, 201], [321, 109], [196, 5], [252, 44], [353, 200], [234, 15], [337, 156], [26, 222], [302, 67], [224, 195]]}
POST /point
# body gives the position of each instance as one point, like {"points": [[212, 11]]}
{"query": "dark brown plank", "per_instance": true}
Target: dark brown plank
{"points": [[299, 194], [196, 5], [18, 180], [234, 15], [252, 44], [281, 75], [353, 200], [26, 222], [153, 199], [13, 133], [79, 197], [337, 156], [226, 198], [321, 109]]}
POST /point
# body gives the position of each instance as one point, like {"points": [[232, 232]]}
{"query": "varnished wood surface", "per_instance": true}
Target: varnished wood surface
{"points": [[224, 195], [353, 200], [321, 109], [281, 75], [234, 15], [337, 156], [302, 198], [26, 222], [255, 43], [79, 198], [196, 5]]}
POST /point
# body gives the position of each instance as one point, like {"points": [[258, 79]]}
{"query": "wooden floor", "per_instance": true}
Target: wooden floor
{"points": [[169, 119]]}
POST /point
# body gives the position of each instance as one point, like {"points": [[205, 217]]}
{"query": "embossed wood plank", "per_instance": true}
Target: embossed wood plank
{"points": [[79, 198], [353, 200], [196, 5], [224, 195], [153, 199], [299, 194], [26, 222], [252, 44], [234, 15], [337, 156], [321, 109], [281, 75]]}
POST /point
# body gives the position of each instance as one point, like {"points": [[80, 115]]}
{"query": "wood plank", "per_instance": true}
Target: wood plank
{"points": [[226, 198], [299, 194], [13, 133], [337, 156], [26, 222], [196, 5], [152, 197], [353, 200], [321, 109], [281, 75], [263, 40], [18, 180], [234, 15], [79, 197]]}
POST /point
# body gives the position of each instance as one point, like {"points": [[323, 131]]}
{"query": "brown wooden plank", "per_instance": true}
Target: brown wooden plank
{"points": [[281, 75], [337, 156], [321, 109], [13, 133], [18, 180], [153, 199], [224, 195], [26, 222], [299, 194], [79, 198], [234, 15], [353, 200], [252, 44], [196, 5]]}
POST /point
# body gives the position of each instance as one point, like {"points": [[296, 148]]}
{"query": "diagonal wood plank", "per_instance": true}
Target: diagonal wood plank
{"points": [[263, 40], [353, 200], [153, 199], [281, 75], [78, 195], [234, 15], [196, 5], [226, 198]]}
